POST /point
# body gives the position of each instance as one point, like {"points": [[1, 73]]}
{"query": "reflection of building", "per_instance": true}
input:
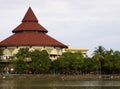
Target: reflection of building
{"points": [[73, 50], [30, 34]]}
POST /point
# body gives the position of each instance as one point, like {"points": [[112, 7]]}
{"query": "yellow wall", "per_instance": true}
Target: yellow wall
{"points": [[9, 51]]}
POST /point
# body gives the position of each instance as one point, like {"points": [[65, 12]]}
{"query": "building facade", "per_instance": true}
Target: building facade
{"points": [[73, 50]]}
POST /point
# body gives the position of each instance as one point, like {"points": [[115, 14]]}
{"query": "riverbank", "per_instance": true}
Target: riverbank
{"points": [[61, 77]]}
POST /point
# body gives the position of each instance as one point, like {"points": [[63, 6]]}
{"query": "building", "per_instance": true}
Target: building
{"points": [[73, 50], [30, 34]]}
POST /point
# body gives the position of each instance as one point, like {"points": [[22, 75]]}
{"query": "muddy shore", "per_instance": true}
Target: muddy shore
{"points": [[61, 77]]}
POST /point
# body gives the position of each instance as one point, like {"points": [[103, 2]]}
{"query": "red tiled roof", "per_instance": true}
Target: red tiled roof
{"points": [[29, 16], [31, 39], [30, 26], [29, 22], [30, 33]]}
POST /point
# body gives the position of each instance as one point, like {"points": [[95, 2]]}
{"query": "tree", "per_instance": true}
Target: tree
{"points": [[89, 65], [20, 62], [1, 53], [111, 61], [99, 51], [98, 56], [108, 60], [40, 61], [23, 53], [70, 61], [108, 63], [20, 66], [116, 61], [55, 67]]}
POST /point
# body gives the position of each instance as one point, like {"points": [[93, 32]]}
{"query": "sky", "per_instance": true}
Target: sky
{"points": [[77, 23]]}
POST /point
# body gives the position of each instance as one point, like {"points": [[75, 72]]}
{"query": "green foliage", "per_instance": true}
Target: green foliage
{"points": [[89, 65], [99, 51], [1, 52], [40, 61], [112, 62], [20, 66], [23, 53], [108, 60], [67, 62], [55, 66]]}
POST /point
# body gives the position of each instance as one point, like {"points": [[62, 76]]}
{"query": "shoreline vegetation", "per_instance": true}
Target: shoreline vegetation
{"points": [[103, 65], [59, 77]]}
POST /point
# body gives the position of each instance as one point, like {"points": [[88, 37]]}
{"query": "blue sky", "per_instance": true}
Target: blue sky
{"points": [[78, 23]]}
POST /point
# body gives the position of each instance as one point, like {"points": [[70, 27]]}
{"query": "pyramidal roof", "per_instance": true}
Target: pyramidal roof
{"points": [[30, 33], [29, 23], [30, 16]]}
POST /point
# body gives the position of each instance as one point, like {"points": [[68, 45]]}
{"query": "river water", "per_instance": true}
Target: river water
{"points": [[38, 84]]}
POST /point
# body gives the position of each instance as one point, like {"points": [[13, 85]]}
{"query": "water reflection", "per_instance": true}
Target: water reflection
{"points": [[32, 84]]}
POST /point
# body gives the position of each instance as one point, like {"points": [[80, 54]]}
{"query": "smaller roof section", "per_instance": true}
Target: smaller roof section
{"points": [[30, 16], [30, 23]]}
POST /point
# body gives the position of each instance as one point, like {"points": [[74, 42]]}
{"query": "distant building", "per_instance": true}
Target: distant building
{"points": [[73, 50], [30, 34]]}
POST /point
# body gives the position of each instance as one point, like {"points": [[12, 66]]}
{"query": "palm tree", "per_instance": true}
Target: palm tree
{"points": [[98, 56], [99, 51]]}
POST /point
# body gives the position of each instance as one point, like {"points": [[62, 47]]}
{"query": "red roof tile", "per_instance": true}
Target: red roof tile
{"points": [[31, 39]]}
